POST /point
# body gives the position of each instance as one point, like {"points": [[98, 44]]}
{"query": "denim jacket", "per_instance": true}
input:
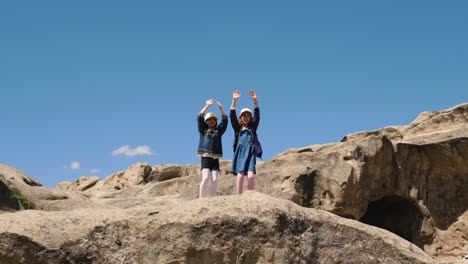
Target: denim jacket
{"points": [[252, 127], [210, 144]]}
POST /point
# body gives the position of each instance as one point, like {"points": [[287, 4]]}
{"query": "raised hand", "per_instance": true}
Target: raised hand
{"points": [[219, 104], [253, 95], [210, 102], [236, 94]]}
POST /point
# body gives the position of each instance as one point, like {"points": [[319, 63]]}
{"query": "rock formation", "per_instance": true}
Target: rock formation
{"points": [[248, 228], [410, 180], [8, 200]]}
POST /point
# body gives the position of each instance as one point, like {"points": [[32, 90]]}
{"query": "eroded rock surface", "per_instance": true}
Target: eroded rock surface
{"points": [[410, 180], [248, 228]]}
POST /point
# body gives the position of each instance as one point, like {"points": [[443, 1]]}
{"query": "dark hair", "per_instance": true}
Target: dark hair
{"points": [[242, 123]]}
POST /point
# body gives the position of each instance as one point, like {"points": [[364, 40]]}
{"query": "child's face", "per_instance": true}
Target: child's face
{"points": [[211, 122], [246, 117]]}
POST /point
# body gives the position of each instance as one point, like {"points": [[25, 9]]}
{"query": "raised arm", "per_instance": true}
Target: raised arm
{"points": [[253, 95], [256, 117], [224, 118], [221, 108], [234, 122], [235, 96]]}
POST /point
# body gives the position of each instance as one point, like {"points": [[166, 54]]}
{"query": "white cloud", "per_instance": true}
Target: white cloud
{"points": [[75, 165], [128, 151], [94, 171]]}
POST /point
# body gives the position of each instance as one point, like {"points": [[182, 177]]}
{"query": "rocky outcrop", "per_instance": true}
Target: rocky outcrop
{"points": [[17, 177], [134, 175], [428, 127], [410, 180], [81, 185], [18, 249], [8, 200], [251, 228], [437, 174], [171, 171], [165, 179], [35, 196]]}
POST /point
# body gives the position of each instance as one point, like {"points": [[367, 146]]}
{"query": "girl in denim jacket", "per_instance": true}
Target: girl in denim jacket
{"points": [[245, 130], [210, 147]]}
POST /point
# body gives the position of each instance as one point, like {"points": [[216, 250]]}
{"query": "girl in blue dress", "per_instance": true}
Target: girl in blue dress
{"points": [[245, 131]]}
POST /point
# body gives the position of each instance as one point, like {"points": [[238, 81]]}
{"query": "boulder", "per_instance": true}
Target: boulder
{"points": [[35, 196], [248, 228], [82, 184], [133, 175], [171, 171], [17, 177]]}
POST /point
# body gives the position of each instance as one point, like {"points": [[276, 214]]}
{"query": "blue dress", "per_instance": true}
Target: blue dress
{"points": [[244, 158]]}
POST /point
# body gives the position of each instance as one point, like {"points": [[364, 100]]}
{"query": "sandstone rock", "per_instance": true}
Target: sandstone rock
{"points": [[451, 244], [63, 186], [171, 187], [428, 127], [18, 249], [83, 183], [418, 189], [170, 171], [133, 175], [17, 177], [36, 196], [8, 200], [411, 180], [250, 228], [439, 173]]}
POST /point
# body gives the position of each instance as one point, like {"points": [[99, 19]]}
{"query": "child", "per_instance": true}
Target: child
{"points": [[210, 148], [245, 130]]}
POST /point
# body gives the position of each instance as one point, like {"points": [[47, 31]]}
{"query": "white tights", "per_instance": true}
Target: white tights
{"points": [[213, 177]]}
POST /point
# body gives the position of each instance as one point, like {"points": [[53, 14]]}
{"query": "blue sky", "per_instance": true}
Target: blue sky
{"points": [[91, 87]]}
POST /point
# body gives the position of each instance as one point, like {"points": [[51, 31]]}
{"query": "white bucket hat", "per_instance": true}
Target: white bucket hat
{"points": [[210, 115], [245, 110]]}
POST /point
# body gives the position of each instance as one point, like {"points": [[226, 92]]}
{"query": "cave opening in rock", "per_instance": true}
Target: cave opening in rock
{"points": [[397, 215]]}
